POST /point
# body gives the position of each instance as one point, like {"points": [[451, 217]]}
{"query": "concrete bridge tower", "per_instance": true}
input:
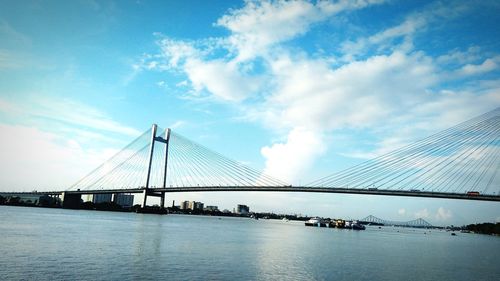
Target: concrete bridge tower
{"points": [[148, 191]]}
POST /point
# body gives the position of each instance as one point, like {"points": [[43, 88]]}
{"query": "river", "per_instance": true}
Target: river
{"points": [[58, 244]]}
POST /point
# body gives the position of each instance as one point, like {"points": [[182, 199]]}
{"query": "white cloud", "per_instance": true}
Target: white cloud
{"points": [[260, 25], [64, 111], [475, 69], [385, 38], [443, 215], [309, 93], [178, 124], [357, 94], [175, 53], [52, 138], [31, 158], [402, 211], [224, 80], [414, 23], [287, 161], [414, 122], [456, 56], [424, 213]]}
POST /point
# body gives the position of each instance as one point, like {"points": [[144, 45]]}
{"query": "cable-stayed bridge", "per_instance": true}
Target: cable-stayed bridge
{"points": [[461, 162], [464, 158]]}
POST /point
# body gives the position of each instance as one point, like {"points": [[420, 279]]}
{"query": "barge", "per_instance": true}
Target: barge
{"points": [[343, 224]]}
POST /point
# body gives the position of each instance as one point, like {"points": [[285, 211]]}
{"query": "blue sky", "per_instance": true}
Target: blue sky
{"points": [[299, 89]]}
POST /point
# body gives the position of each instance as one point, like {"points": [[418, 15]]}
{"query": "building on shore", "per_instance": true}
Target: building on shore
{"points": [[124, 200], [211, 208], [184, 205], [242, 209], [195, 206], [191, 205], [30, 200], [198, 206], [102, 198], [88, 198]]}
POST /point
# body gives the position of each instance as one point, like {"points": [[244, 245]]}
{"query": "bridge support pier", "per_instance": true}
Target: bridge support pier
{"points": [[145, 199], [148, 192], [71, 201], [162, 200]]}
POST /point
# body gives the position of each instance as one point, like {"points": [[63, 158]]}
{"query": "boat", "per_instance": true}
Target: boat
{"points": [[354, 225], [315, 221], [284, 219], [357, 226], [340, 223]]}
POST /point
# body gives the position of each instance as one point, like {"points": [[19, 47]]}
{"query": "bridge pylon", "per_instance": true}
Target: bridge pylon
{"points": [[147, 190]]}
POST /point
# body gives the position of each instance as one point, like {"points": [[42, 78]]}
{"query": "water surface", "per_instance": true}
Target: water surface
{"points": [[58, 244]]}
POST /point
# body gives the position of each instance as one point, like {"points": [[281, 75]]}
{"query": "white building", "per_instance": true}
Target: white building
{"points": [[193, 205], [184, 205]]}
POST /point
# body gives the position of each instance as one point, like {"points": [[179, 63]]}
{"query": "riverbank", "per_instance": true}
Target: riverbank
{"points": [[484, 228], [50, 202]]}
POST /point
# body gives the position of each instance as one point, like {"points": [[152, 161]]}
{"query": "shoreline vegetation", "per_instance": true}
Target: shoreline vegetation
{"points": [[484, 228], [50, 202]]}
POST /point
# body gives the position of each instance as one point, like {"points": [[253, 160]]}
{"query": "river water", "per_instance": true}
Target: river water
{"points": [[57, 244]]}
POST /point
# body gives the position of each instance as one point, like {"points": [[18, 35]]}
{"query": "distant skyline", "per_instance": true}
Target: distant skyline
{"points": [[298, 89]]}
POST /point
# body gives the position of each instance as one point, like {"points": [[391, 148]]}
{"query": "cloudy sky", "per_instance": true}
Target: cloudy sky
{"points": [[298, 89]]}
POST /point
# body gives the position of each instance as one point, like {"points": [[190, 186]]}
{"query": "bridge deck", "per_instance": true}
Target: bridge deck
{"points": [[425, 194]]}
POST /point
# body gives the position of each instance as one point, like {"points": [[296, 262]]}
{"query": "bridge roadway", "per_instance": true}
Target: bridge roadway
{"points": [[153, 191]]}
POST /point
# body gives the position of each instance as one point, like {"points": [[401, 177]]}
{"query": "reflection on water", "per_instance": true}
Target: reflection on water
{"points": [[48, 244]]}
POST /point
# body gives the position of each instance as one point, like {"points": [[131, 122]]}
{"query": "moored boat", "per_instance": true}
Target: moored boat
{"points": [[339, 223], [316, 221], [354, 225]]}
